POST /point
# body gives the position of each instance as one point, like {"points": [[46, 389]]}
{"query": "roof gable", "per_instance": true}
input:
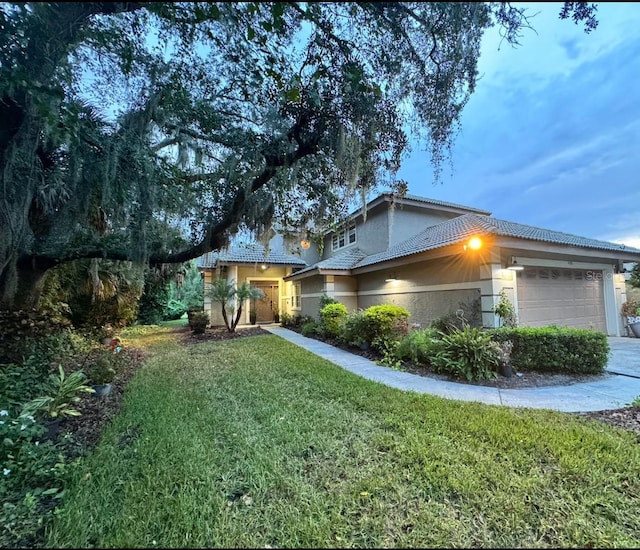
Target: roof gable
{"points": [[249, 254]]}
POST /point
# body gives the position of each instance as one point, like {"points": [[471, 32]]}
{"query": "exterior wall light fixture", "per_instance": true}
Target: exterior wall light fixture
{"points": [[514, 266], [475, 243]]}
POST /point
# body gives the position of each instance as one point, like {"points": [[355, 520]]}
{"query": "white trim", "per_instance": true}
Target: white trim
{"points": [[535, 262], [401, 290]]}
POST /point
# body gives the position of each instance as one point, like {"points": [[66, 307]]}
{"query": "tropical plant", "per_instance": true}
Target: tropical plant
{"points": [[61, 394], [468, 353], [225, 293], [505, 311], [112, 142]]}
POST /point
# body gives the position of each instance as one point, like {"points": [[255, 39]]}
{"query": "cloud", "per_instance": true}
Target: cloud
{"points": [[552, 134]]}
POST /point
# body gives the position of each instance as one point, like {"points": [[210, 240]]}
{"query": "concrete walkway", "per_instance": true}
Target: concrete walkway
{"points": [[618, 387]]}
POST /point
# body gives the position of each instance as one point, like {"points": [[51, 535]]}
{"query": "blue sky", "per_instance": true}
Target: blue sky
{"points": [[551, 136]]}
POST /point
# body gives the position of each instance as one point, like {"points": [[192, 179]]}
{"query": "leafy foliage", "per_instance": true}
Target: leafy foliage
{"points": [[385, 323], [61, 393], [556, 349], [310, 328], [332, 316], [505, 310], [631, 308], [418, 346], [228, 295], [237, 112], [199, 322], [635, 276], [468, 353]]}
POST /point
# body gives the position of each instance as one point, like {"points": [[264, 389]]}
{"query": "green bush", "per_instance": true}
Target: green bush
{"points": [[355, 329], [332, 317], [468, 353], [556, 349], [34, 472], [174, 310], [310, 328], [418, 346], [325, 300], [385, 323], [199, 322], [448, 323]]}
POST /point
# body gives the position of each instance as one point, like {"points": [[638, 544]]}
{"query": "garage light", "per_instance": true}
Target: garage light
{"points": [[515, 266], [474, 243]]}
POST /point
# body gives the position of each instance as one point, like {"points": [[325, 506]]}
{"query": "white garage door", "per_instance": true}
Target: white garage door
{"points": [[567, 297]]}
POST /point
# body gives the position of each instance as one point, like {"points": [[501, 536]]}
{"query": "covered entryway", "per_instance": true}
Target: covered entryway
{"points": [[564, 297], [268, 306]]}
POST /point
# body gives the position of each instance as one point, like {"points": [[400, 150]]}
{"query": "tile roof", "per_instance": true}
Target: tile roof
{"points": [[444, 203], [249, 254], [462, 227], [345, 259]]}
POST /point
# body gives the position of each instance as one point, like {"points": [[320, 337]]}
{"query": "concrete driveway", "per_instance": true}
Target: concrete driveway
{"points": [[625, 356]]}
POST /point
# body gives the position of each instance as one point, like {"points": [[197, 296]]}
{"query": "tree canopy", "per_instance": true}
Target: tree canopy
{"points": [[154, 131]]}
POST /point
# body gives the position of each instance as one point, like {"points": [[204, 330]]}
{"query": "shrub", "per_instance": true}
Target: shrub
{"points": [[556, 349], [199, 322], [355, 329], [505, 311], [325, 300], [385, 323], [101, 369], [174, 310], [34, 472], [332, 318], [293, 321], [310, 328], [418, 346], [468, 353], [448, 323], [631, 308]]}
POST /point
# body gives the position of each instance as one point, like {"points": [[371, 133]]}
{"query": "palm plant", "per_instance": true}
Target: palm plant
{"points": [[227, 294]]}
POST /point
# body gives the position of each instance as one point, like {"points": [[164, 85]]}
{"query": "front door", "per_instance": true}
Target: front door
{"points": [[268, 306]]}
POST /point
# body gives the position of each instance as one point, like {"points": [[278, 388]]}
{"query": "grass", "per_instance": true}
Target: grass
{"points": [[255, 443]]}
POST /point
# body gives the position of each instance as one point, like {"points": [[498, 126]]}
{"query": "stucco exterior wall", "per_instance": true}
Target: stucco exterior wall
{"points": [[425, 306], [451, 269], [344, 291], [372, 236], [406, 221]]}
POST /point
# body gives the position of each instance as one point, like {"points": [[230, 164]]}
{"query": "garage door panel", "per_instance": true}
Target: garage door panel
{"points": [[563, 297]]}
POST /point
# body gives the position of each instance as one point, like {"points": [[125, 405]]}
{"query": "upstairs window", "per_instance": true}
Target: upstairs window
{"points": [[343, 238]]}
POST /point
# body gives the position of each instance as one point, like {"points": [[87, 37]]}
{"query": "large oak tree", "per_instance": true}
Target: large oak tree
{"points": [[152, 132]]}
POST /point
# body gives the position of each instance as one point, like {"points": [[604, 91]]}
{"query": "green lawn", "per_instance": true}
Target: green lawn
{"points": [[255, 443]]}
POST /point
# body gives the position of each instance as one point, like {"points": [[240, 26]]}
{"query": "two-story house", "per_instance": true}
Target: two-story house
{"points": [[436, 258]]}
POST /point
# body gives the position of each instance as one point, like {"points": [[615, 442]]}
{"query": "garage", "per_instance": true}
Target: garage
{"points": [[565, 297]]}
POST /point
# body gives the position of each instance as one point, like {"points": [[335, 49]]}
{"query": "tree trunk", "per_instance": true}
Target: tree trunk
{"points": [[30, 283]]}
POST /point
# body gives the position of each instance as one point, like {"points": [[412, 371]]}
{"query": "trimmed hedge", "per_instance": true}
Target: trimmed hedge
{"points": [[556, 349]]}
